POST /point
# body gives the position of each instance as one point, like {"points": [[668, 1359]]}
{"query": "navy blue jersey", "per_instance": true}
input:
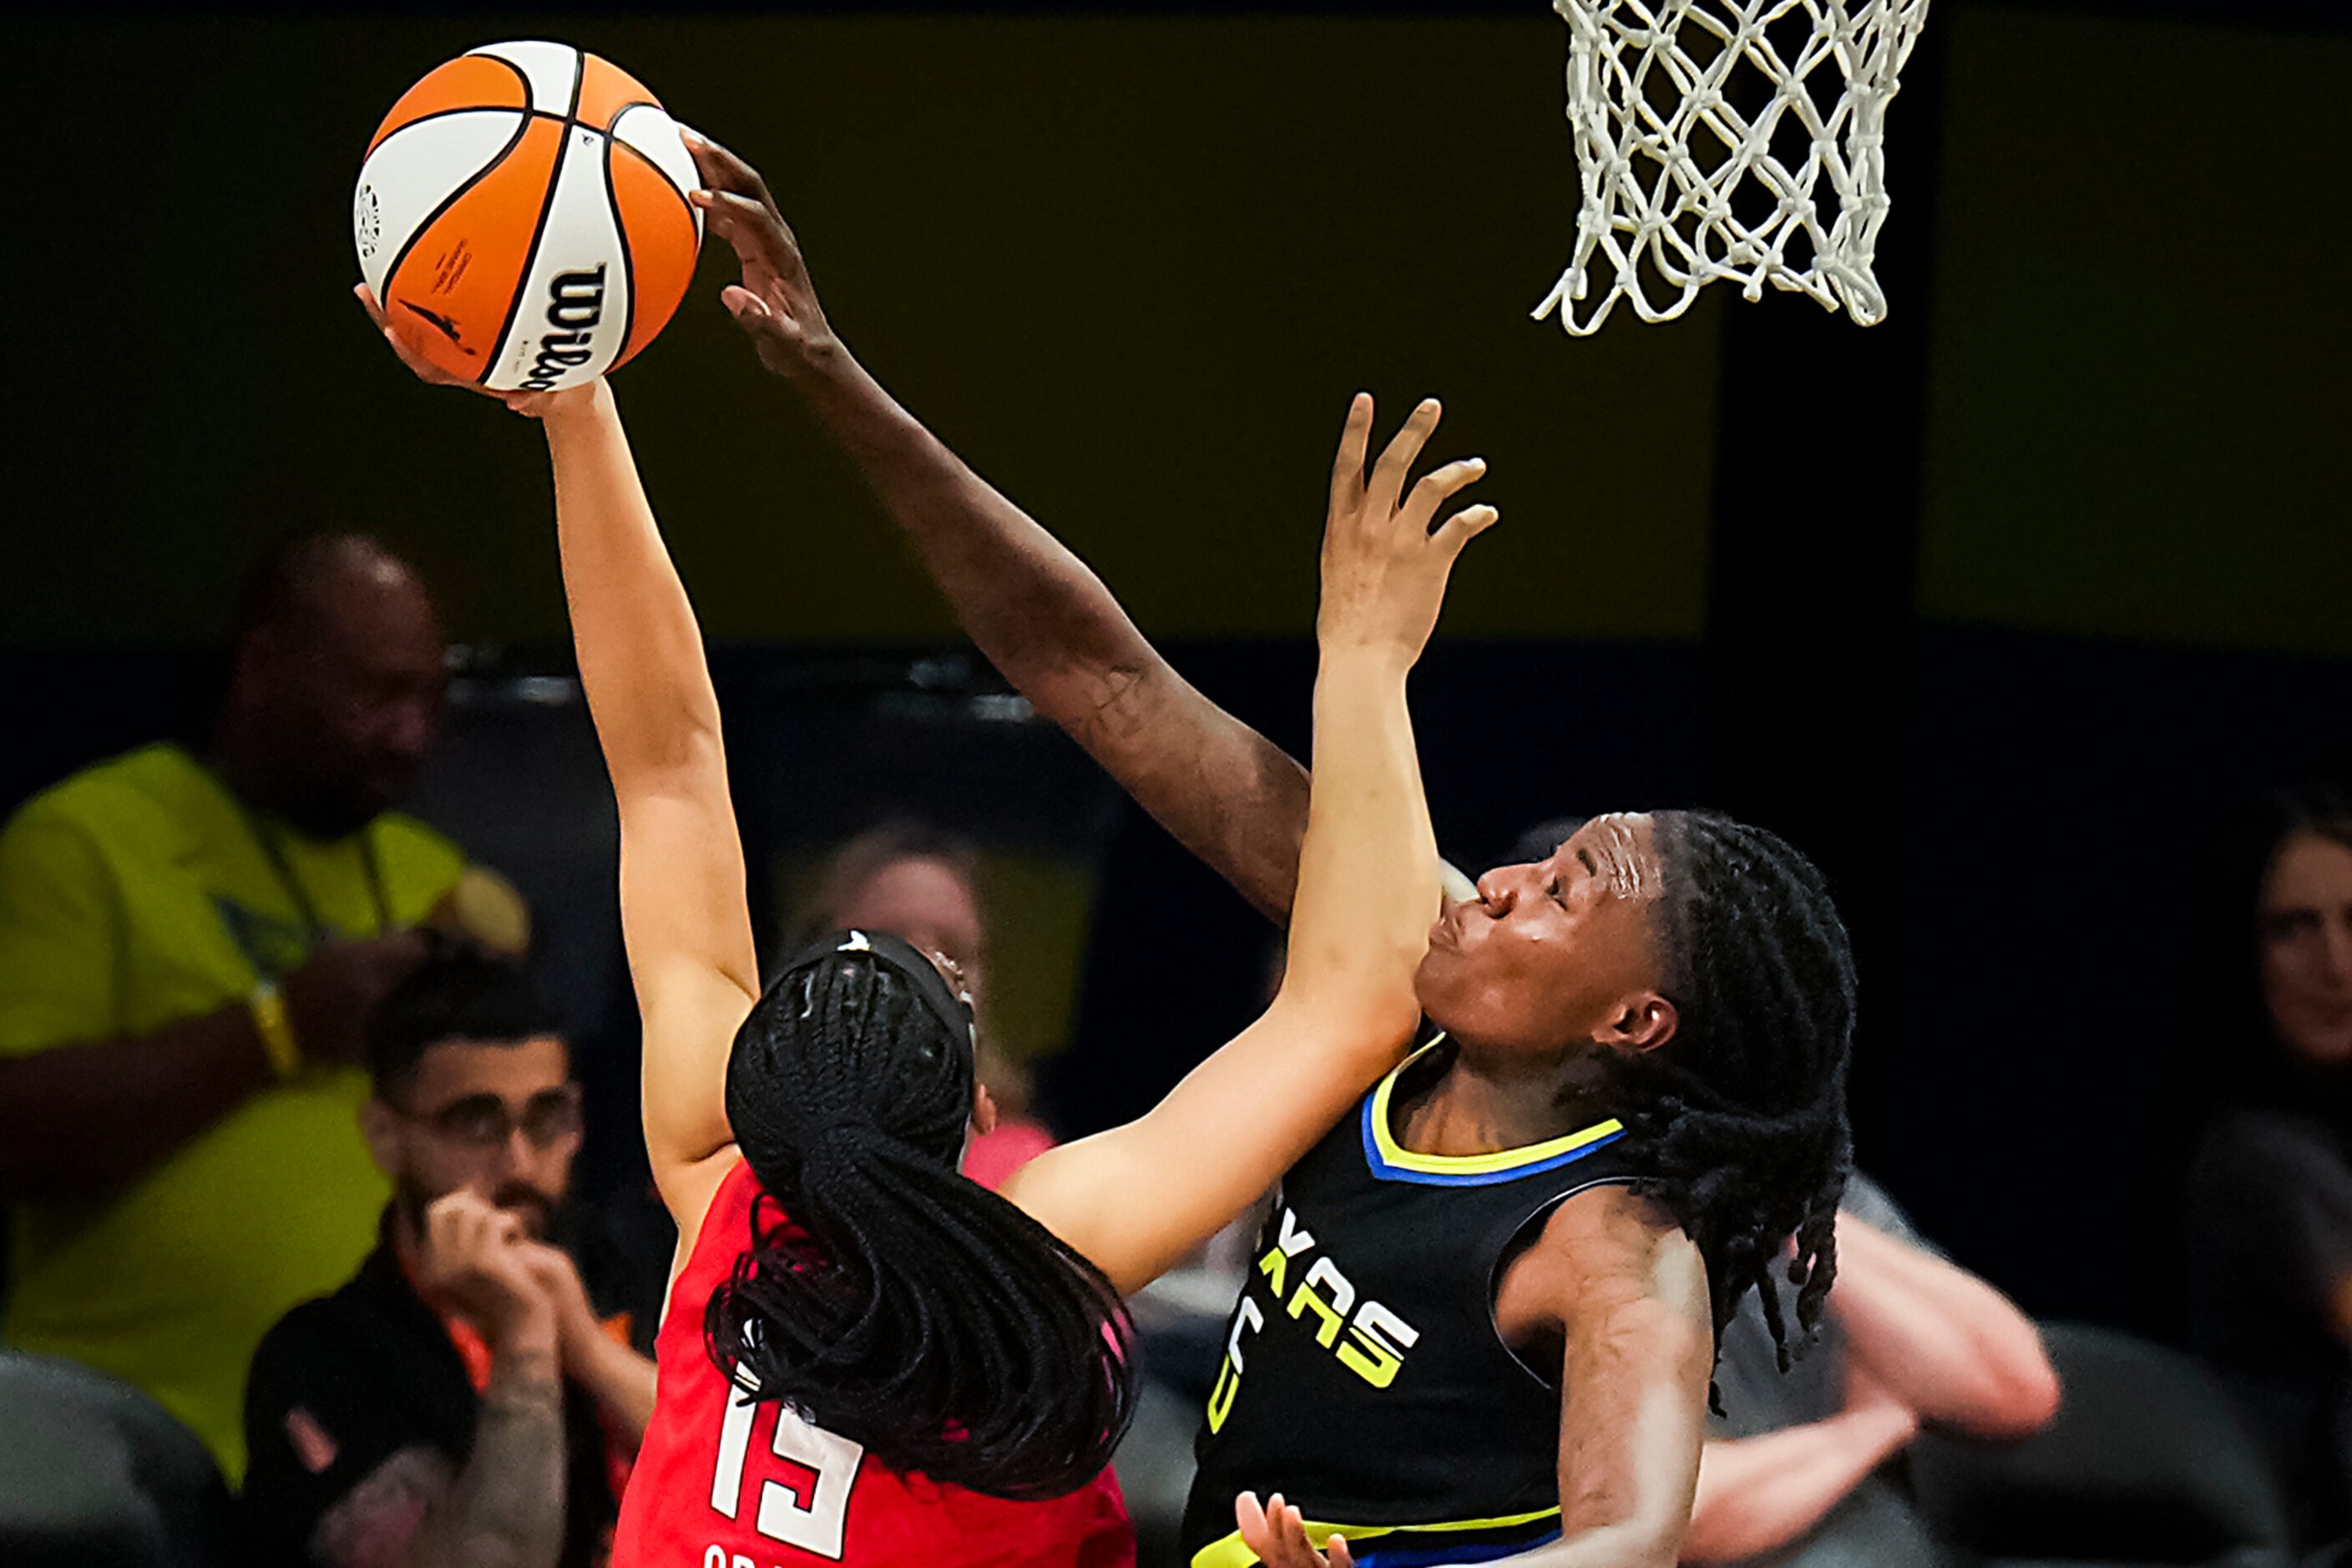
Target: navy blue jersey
{"points": [[1363, 1377]]}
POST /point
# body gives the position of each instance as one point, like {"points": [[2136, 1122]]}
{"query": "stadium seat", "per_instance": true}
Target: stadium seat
{"points": [[91, 1471], [2147, 1466]]}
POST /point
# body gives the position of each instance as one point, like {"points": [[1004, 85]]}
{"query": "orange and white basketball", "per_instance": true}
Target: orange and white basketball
{"points": [[521, 217]]}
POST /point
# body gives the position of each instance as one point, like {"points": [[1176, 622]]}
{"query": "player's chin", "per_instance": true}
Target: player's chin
{"points": [[1437, 980]]}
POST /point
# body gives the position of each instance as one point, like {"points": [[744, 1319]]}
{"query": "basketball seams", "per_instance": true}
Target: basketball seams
{"points": [[539, 227], [424, 226], [628, 259], [647, 158], [564, 87], [384, 134], [408, 125]]}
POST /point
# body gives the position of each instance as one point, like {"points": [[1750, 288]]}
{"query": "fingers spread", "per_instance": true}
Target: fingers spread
{"points": [[1439, 486], [1252, 1519], [1348, 467], [1464, 526], [731, 212], [722, 170], [1388, 474], [748, 308], [754, 231]]}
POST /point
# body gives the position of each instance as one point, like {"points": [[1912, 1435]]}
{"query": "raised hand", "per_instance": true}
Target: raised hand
{"points": [[1278, 1533], [774, 304], [530, 405], [1384, 571], [473, 1257]]}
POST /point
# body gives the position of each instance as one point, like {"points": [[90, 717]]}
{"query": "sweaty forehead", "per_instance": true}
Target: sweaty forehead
{"points": [[1622, 847]]}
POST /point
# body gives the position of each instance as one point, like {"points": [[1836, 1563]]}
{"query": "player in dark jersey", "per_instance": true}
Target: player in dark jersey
{"points": [[867, 1358], [1483, 1320]]}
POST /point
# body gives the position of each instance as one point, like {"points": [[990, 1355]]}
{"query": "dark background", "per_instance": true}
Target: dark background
{"points": [[1999, 609]]}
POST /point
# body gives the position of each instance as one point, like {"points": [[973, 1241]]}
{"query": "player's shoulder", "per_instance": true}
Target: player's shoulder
{"points": [[1612, 1214], [1609, 1231]]}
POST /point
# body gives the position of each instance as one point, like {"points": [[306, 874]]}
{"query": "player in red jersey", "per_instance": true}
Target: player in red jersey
{"points": [[868, 1359]]}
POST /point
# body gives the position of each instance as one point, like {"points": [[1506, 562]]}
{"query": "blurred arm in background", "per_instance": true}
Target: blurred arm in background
{"points": [[85, 1107], [1927, 1344]]}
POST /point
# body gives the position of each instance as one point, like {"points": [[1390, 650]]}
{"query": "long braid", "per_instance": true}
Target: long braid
{"points": [[1744, 1107], [899, 1304]]}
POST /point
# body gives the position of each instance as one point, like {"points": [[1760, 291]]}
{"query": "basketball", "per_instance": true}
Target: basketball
{"points": [[522, 216]]}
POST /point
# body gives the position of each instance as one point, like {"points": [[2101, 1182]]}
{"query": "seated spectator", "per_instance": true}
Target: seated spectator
{"points": [[923, 888], [2270, 1197], [1791, 1471], [188, 943], [472, 1396]]}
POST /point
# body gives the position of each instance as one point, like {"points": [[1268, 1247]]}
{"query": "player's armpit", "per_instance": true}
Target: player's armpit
{"points": [[378, 1520]]}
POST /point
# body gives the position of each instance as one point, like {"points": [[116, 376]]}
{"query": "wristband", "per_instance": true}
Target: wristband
{"points": [[267, 1005]]}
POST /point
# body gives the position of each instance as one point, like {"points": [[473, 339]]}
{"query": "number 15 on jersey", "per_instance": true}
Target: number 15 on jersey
{"points": [[806, 1503]]}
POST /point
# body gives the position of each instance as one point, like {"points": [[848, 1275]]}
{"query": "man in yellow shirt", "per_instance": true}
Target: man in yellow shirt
{"points": [[188, 945]]}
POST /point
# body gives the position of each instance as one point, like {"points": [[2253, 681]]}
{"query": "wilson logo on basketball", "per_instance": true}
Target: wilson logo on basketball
{"points": [[575, 304], [367, 220]]}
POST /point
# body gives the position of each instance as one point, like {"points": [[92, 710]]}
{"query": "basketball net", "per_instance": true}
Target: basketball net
{"points": [[1703, 129]]}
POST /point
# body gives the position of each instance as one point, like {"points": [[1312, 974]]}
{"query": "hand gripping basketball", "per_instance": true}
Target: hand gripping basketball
{"points": [[530, 405], [775, 303]]}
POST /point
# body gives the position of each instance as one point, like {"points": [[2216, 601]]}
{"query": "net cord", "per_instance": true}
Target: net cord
{"points": [[1648, 197]]}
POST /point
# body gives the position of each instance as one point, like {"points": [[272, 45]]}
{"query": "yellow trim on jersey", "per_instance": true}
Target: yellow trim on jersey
{"points": [[1230, 1552], [1404, 1159]]}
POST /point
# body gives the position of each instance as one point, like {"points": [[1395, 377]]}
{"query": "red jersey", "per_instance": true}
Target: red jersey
{"points": [[722, 1482]]}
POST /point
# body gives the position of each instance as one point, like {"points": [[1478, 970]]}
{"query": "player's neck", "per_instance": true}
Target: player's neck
{"points": [[1487, 1101]]}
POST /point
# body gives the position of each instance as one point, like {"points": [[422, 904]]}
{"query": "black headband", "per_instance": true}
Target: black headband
{"points": [[902, 958]]}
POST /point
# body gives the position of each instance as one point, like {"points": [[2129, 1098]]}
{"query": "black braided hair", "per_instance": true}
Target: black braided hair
{"points": [[1745, 1106], [883, 1295]]}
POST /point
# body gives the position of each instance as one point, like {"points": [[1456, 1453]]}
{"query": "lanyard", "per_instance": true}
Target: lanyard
{"points": [[296, 893]]}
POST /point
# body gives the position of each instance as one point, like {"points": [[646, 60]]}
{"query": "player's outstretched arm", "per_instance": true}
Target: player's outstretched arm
{"points": [[1034, 609], [1368, 889], [684, 917]]}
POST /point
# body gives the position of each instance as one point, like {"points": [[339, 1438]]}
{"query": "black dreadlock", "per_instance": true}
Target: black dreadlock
{"points": [[893, 1301], [1744, 1107]]}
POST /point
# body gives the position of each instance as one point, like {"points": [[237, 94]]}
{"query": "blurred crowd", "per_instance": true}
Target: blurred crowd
{"points": [[288, 1135]]}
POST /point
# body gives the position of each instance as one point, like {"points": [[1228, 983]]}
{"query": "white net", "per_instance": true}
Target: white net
{"points": [[1704, 129]]}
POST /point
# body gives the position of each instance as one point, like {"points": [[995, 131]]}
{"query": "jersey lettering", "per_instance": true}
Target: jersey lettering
{"points": [[1335, 1312], [808, 1505], [1377, 1339], [1384, 1338], [1247, 1318], [1288, 1244]]}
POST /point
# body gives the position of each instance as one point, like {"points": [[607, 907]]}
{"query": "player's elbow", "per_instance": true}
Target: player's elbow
{"points": [[2022, 1395], [1718, 1530], [1655, 1543], [2014, 1393]]}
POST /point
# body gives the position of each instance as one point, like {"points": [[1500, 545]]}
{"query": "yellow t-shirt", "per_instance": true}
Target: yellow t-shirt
{"points": [[132, 894]]}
